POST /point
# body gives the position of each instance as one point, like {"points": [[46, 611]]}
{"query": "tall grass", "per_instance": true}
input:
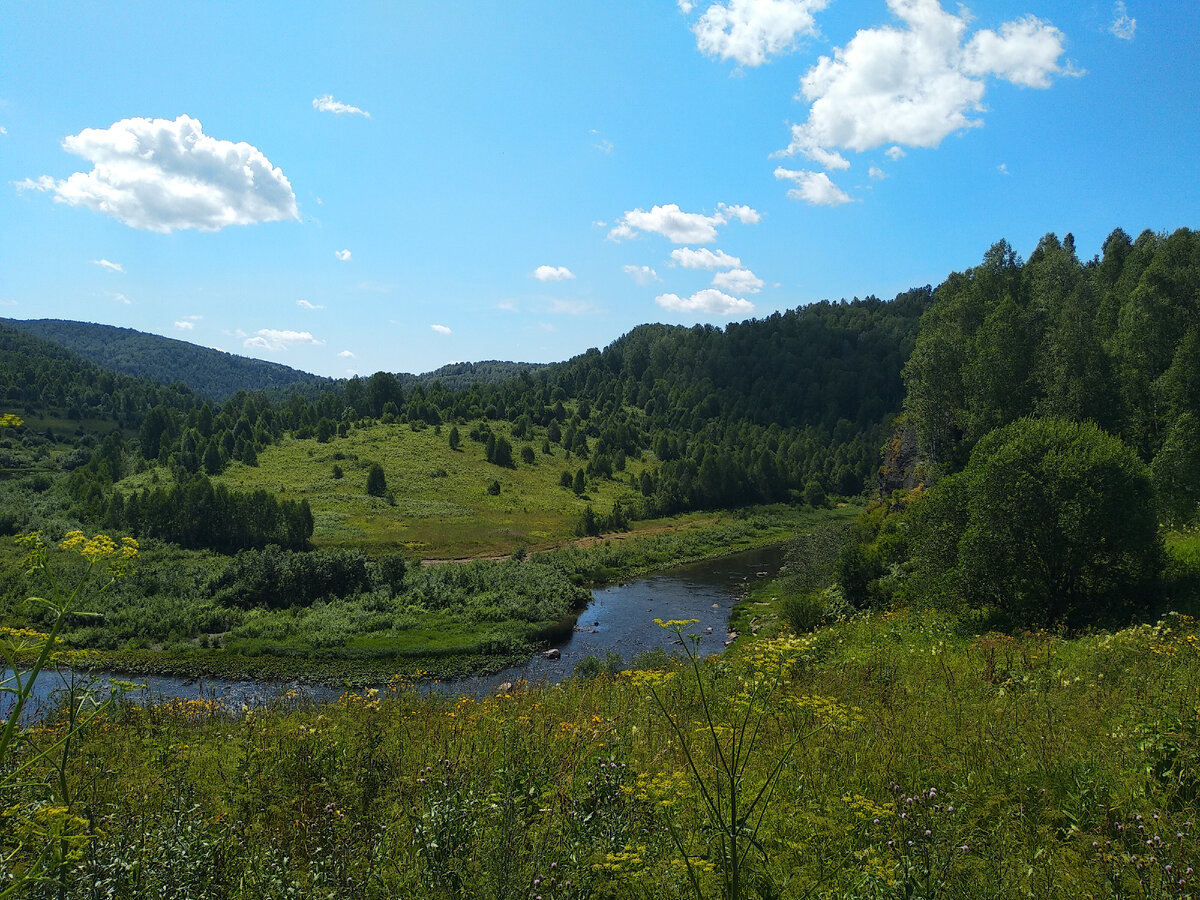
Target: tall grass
{"points": [[923, 762]]}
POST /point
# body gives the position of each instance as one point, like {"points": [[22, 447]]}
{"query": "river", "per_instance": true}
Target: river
{"points": [[619, 619]]}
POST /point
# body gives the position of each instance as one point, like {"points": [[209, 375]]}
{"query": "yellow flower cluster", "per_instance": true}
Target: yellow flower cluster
{"points": [[672, 624], [864, 808], [827, 710], [10, 420], [368, 699], [19, 640], [629, 862], [101, 546], [650, 678], [664, 789]]}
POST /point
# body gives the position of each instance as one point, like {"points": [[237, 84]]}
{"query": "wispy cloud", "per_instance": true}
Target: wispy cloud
{"points": [[643, 275], [304, 304], [121, 298], [329, 105], [562, 307], [1122, 25], [552, 273], [185, 325], [163, 175], [110, 266]]}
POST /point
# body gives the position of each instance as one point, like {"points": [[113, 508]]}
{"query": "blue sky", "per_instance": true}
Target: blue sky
{"points": [[364, 186]]}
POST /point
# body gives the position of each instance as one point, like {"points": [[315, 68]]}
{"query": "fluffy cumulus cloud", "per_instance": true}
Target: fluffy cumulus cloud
{"points": [[342, 255], [440, 329], [347, 354], [738, 281], [643, 275], [110, 266], [278, 339], [749, 32], [329, 105], [163, 175], [185, 325], [680, 227], [1122, 25], [708, 301], [814, 188], [916, 84], [552, 273], [704, 258]]}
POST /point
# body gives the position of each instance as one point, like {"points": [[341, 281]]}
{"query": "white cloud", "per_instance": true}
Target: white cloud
{"points": [[121, 298], [346, 354], [814, 188], [3, 130], [895, 153], [1003, 169], [41, 183], [552, 273], [680, 227], [8, 303], [162, 175], [601, 143], [876, 173], [686, 6], [738, 281], [328, 104], [643, 275], [507, 306], [185, 325], [744, 214], [750, 31], [1122, 25], [343, 255], [704, 258], [706, 301], [105, 264], [304, 304], [277, 339], [917, 84], [440, 329]]}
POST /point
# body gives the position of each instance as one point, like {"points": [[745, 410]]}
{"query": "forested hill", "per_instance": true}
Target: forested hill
{"points": [[459, 375], [1114, 340], [42, 380], [211, 373]]}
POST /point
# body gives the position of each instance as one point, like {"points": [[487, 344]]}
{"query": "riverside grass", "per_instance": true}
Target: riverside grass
{"points": [[931, 763]]}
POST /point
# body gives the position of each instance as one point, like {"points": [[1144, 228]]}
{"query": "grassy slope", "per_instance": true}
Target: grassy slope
{"points": [[443, 517]]}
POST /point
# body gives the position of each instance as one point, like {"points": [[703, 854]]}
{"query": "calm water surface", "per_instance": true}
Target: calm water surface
{"points": [[619, 619]]}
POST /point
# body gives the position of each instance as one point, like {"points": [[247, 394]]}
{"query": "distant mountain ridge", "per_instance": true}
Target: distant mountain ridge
{"points": [[217, 374], [210, 373]]}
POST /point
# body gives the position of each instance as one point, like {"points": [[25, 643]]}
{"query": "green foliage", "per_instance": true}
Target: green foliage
{"points": [[376, 482], [273, 578], [1051, 521]]}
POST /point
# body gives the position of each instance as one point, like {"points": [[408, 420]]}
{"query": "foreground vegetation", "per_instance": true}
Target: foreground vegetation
{"points": [[903, 757]]}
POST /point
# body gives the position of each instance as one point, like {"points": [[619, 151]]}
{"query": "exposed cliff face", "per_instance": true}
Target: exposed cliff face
{"points": [[903, 466]]}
